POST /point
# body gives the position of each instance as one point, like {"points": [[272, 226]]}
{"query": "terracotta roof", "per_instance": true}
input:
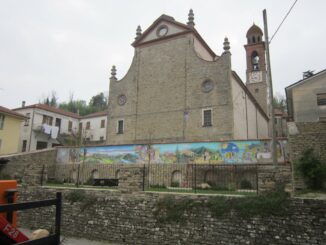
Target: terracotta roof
{"points": [[96, 114], [11, 113], [254, 29], [51, 109]]}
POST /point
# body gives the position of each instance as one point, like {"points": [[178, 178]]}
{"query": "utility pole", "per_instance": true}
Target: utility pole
{"points": [[269, 78]]}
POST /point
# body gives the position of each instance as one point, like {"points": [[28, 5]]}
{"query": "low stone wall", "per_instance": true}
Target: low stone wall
{"points": [[270, 175], [129, 219], [28, 168]]}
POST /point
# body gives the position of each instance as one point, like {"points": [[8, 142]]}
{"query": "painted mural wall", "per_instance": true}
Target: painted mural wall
{"points": [[230, 152]]}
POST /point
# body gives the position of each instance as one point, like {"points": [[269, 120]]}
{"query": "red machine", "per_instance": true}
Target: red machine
{"points": [[9, 234]]}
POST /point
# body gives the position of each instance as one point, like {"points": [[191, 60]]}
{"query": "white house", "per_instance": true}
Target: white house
{"points": [[94, 127], [49, 126]]}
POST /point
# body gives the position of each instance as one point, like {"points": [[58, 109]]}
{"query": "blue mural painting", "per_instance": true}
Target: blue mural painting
{"points": [[229, 152]]}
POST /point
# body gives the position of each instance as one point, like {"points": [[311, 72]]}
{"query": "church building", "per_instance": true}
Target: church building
{"points": [[178, 90]]}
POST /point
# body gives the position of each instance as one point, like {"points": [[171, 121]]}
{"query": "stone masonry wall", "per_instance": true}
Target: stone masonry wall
{"points": [[27, 168], [164, 174], [303, 136], [126, 218]]}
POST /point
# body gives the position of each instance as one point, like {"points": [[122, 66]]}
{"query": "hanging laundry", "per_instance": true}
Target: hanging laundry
{"points": [[46, 128], [54, 132]]}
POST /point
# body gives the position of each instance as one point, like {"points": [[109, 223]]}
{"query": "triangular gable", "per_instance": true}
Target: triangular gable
{"points": [[165, 26], [174, 28]]}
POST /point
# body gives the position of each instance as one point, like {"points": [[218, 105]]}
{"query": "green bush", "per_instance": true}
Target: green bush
{"points": [[76, 196], [170, 209], [245, 184], [85, 200], [175, 184], [312, 170], [89, 181]]}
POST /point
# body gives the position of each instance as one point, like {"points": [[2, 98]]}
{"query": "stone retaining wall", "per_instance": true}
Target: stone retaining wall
{"points": [[28, 168], [162, 174], [126, 218], [303, 136]]}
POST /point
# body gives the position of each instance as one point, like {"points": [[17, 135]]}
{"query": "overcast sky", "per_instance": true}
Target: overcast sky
{"points": [[69, 46]]}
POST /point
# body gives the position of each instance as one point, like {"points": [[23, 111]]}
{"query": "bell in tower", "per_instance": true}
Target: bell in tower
{"points": [[256, 66]]}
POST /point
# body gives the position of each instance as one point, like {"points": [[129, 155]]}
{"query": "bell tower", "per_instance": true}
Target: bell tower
{"points": [[256, 80]]}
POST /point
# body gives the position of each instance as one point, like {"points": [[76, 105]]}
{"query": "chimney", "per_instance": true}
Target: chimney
{"points": [[23, 103]]}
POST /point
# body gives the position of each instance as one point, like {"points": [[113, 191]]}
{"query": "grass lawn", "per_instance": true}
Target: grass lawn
{"points": [[311, 194], [202, 191], [80, 186]]}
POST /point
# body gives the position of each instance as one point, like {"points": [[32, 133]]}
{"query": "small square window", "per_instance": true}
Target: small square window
{"points": [[321, 99], [120, 127], [101, 138], [47, 120], [207, 118], [28, 115], [69, 126], [24, 145], [103, 123], [88, 125]]}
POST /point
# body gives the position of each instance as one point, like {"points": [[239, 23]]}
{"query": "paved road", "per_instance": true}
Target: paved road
{"points": [[72, 240]]}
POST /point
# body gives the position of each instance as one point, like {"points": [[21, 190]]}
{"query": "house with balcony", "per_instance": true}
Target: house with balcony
{"points": [[47, 127]]}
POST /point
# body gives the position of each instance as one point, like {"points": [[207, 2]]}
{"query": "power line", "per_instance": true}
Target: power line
{"points": [[283, 20]]}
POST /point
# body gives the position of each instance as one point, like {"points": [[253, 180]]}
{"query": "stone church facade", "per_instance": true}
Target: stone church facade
{"points": [[178, 90]]}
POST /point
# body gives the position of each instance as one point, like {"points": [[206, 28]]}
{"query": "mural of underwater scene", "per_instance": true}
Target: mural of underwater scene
{"points": [[115, 154]]}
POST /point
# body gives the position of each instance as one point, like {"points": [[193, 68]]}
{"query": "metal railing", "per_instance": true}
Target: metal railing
{"points": [[201, 178], [83, 175], [52, 239]]}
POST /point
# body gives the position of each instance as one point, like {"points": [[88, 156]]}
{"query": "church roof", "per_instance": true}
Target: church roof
{"points": [[169, 19], [253, 30]]}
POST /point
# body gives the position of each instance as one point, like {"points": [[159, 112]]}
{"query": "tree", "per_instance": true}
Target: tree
{"points": [[50, 100], [312, 170], [279, 102], [99, 102]]}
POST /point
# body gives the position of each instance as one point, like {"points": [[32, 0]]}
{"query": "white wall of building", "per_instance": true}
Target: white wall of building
{"points": [[96, 132], [31, 132], [248, 121]]}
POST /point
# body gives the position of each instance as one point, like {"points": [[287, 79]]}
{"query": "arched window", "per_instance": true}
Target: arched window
{"points": [[253, 39], [255, 61], [258, 39], [95, 174], [176, 178]]}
